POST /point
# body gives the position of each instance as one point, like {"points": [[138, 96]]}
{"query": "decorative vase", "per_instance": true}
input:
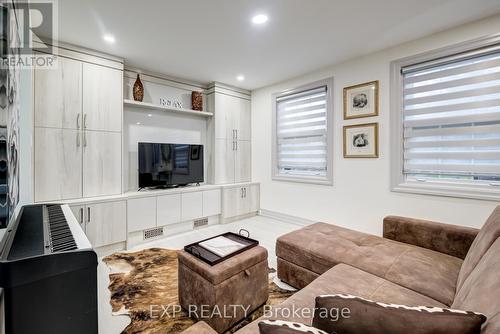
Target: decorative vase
{"points": [[138, 89], [197, 101]]}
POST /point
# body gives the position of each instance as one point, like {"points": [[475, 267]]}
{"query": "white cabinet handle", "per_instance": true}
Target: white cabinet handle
{"points": [[78, 121], [84, 138], [88, 214], [78, 139], [236, 142], [81, 216], [85, 121], [245, 191]]}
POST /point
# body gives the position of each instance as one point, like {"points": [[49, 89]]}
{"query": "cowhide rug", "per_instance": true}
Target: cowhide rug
{"points": [[149, 277]]}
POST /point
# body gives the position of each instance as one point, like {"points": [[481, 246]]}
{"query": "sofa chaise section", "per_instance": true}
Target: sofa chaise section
{"points": [[342, 279], [305, 254]]}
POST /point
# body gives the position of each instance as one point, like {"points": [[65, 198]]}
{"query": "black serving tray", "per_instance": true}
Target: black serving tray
{"points": [[212, 259]]}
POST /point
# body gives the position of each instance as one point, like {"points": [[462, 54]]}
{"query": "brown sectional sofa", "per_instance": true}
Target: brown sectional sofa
{"points": [[416, 263]]}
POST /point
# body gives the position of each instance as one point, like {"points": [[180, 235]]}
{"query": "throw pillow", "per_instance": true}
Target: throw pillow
{"points": [[286, 327], [346, 314]]}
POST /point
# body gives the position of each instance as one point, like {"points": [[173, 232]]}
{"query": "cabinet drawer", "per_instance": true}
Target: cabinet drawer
{"points": [[192, 205], [211, 202], [141, 213], [168, 209]]}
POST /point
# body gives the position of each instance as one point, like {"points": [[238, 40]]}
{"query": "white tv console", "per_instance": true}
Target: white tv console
{"points": [[134, 217]]}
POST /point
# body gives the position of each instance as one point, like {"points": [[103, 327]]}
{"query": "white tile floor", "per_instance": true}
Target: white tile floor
{"points": [[264, 229]]}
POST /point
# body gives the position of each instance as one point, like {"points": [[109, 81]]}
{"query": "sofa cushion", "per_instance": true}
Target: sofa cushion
{"points": [[428, 272], [340, 279], [481, 290], [352, 314], [486, 237], [321, 246]]}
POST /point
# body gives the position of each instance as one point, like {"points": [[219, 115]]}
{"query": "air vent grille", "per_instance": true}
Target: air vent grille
{"points": [[153, 233], [200, 222]]}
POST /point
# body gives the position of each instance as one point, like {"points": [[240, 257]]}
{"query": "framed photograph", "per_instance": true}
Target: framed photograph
{"points": [[361, 100], [361, 141]]}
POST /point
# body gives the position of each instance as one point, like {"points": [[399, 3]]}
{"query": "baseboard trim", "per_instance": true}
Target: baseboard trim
{"points": [[286, 218]]}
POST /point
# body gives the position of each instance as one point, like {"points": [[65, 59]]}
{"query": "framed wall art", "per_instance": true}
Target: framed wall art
{"points": [[361, 141], [361, 100]]}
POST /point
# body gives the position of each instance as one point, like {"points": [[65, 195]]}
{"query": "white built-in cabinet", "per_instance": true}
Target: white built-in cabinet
{"points": [[104, 223], [78, 123], [232, 134], [166, 209], [240, 200]]}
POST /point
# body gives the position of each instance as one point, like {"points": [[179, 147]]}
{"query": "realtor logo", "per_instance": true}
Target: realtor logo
{"points": [[28, 31]]}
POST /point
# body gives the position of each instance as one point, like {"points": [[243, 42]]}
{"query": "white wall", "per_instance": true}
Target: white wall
{"points": [[360, 196], [160, 127]]}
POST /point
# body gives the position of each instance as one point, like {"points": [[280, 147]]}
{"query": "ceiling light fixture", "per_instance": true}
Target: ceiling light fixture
{"points": [[138, 123], [150, 115], [240, 77], [109, 38], [260, 19]]}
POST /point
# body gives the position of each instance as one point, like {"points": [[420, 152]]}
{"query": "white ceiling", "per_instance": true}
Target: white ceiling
{"points": [[215, 40]]}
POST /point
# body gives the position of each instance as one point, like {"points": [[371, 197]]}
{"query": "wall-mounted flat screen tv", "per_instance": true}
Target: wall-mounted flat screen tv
{"points": [[170, 165]]}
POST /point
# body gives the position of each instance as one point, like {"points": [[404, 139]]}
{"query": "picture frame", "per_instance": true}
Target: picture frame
{"points": [[361, 141], [361, 100]]}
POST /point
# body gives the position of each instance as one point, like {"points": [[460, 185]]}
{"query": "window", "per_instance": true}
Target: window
{"points": [[302, 134], [449, 125]]}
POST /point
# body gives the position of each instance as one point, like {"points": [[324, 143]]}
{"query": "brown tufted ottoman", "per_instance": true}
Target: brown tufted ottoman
{"points": [[224, 294]]}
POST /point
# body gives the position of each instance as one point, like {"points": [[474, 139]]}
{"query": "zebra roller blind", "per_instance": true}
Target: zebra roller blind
{"points": [[451, 118], [301, 130]]}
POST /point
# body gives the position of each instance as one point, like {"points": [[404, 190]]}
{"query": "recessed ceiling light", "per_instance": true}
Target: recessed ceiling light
{"points": [[109, 38], [138, 123], [240, 77], [150, 115], [260, 19]]}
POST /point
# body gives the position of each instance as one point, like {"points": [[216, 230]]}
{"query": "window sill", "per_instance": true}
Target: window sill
{"points": [[480, 192], [298, 179]]}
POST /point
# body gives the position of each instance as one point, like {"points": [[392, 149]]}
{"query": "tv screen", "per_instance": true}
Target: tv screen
{"points": [[170, 164]]}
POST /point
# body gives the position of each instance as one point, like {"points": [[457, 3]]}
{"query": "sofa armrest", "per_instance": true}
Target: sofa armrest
{"points": [[448, 239], [200, 327]]}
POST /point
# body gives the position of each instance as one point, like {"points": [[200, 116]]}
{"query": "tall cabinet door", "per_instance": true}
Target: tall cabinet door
{"points": [[243, 120], [102, 98], [58, 95], [58, 164], [106, 223], [224, 153], [101, 163], [225, 108], [243, 161]]}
